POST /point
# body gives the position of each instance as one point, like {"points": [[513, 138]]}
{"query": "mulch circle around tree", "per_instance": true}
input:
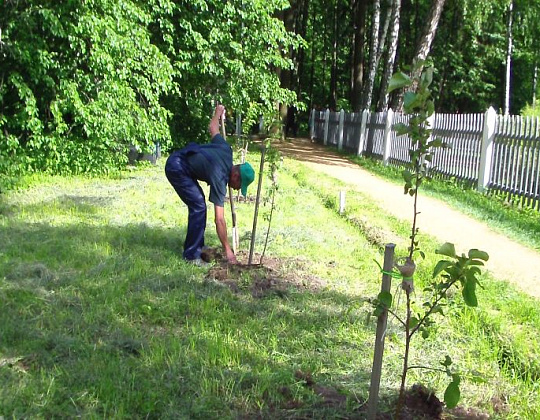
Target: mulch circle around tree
{"points": [[274, 276]]}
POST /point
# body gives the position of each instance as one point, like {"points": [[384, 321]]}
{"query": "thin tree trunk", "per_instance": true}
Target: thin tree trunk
{"points": [[286, 76], [384, 31], [302, 20], [333, 72], [535, 82], [312, 60], [358, 61], [370, 82], [391, 56], [507, 79], [424, 45]]}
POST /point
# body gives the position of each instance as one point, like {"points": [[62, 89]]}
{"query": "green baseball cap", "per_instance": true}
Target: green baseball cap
{"points": [[247, 175]]}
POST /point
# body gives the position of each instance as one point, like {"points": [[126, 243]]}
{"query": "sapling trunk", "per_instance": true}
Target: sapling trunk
{"points": [[257, 200], [244, 151], [235, 240], [269, 223], [408, 337]]}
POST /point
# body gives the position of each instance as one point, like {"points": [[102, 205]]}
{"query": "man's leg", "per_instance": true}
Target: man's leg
{"points": [[191, 193]]}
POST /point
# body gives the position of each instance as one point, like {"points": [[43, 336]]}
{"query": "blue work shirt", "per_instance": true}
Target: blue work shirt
{"points": [[211, 163]]}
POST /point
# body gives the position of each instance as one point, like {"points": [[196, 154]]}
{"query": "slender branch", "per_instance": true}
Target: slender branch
{"points": [[269, 223], [427, 368], [415, 210], [397, 317], [405, 356], [428, 313]]}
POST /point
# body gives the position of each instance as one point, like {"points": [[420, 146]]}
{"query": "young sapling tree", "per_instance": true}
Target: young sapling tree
{"points": [[455, 270]]}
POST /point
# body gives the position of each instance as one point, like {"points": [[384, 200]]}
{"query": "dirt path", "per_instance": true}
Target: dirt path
{"points": [[508, 260]]}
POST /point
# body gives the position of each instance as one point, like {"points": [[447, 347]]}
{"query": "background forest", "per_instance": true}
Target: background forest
{"points": [[82, 80]]}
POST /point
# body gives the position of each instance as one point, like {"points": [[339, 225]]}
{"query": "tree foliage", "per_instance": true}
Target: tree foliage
{"points": [[468, 48], [81, 81]]}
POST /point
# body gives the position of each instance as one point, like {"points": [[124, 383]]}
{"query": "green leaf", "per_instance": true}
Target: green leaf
{"points": [[401, 129], [407, 176], [452, 393], [469, 292], [480, 255], [430, 108], [438, 309], [399, 80], [385, 298], [447, 249], [440, 267], [410, 100], [447, 361]]}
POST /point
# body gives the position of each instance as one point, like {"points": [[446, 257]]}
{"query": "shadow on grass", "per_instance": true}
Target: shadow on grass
{"points": [[109, 321]]}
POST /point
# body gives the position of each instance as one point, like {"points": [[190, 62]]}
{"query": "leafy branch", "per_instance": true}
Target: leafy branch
{"points": [[454, 270]]}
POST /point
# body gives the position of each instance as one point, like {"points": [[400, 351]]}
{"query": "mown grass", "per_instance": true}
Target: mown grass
{"points": [[101, 317]]}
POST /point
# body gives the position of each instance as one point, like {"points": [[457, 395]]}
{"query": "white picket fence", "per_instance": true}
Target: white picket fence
{"points": [[499, 154]]}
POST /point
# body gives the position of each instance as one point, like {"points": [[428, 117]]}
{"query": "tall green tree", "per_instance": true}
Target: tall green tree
{"points": [[81, 81], [224, 51]]}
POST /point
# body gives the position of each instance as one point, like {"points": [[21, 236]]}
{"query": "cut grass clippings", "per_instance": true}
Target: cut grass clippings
{"points": [[102, 318]]}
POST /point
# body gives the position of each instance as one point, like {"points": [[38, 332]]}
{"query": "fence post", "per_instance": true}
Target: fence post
{"points": [[387, 144], [380, 335], [340, 129], [312, 125], [363, 125], [326, 122], [486, 154]]}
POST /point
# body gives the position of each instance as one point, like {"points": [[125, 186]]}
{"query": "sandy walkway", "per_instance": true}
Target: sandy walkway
{"points": [[508, 260]]}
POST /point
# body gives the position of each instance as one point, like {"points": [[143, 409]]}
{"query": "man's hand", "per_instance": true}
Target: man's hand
{"points": [[213, 127], [221, 229], [231, 258], [220, 111]]}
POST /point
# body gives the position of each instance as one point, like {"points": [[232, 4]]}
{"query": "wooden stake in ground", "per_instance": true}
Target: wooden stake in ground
{"points": [[231, 199], [380, 335], [257, 200]]}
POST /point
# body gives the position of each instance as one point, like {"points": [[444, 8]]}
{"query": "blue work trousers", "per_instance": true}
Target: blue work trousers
{"points": [[191, 193]]}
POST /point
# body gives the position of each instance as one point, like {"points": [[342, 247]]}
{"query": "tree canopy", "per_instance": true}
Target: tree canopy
{"points": [[81, 81]]}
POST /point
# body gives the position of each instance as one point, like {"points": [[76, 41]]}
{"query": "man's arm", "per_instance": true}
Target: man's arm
{"points": [[213, 127], [221, 229]]}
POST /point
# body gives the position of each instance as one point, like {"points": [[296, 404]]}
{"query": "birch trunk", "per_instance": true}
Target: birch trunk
{"points": [[425, 43], [391, 56]]}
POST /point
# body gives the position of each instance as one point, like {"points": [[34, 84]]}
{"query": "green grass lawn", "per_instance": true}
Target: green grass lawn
{"points": [[101, 318]]}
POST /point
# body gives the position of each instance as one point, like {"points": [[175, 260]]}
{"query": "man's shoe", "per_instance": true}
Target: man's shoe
{"points": [[199, 262]]}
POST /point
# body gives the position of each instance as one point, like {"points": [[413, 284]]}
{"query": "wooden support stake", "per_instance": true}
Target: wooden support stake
{"points": [[380, 335], [341, 202]]}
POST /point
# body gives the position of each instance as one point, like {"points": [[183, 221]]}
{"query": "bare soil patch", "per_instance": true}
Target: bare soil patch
{"points": [[272, 277]]}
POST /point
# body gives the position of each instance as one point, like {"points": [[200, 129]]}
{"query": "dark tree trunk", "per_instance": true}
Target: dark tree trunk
{"points": [[358, 60]]}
